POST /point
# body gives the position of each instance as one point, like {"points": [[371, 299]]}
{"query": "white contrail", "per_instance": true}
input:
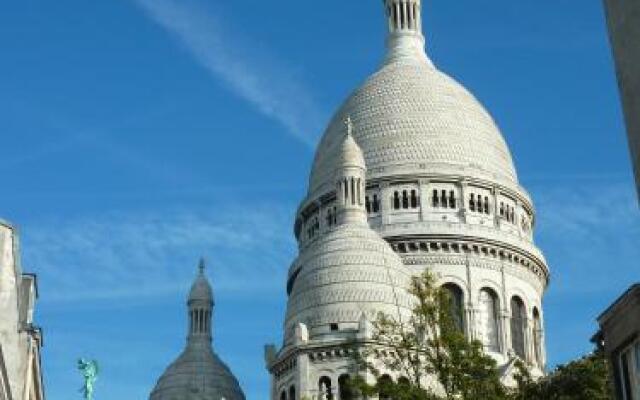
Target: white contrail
{"points": [[267, 84]]}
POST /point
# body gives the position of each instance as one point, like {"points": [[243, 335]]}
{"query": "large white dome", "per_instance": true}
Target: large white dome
{"points": [[412, 119]]}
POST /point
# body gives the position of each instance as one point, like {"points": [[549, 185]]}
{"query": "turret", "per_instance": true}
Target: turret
{"points": [[350, 180], [200, 306]]}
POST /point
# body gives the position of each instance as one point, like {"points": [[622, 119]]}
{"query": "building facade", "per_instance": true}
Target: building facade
{"points": [[623, 18], [198, 373], [440, 193], [619, 336], [20, 338]]}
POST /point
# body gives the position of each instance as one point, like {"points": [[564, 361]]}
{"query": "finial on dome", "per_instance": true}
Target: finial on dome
{"points": [[202, 265], [348, 123]]}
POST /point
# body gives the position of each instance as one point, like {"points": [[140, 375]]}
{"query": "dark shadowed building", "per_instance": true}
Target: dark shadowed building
{"points": [[620, 337]]}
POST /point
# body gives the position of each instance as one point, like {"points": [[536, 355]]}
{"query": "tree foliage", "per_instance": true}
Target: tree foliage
{"points": [[429, 345], [586, 378], [437, 361]]}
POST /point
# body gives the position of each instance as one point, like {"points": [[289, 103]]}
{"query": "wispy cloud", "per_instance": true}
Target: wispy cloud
{"points": [[268, 84], [590, 231], [127, 255]]}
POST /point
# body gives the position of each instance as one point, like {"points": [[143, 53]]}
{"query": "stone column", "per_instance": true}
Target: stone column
{"points": [[464, 189], [425, 204], [505, 315], [472, 311], [517, 218], [496, 206], [385, 202], [303, 379]]}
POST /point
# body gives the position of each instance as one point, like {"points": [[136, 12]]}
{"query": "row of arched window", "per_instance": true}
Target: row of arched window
{"points": [[199, 321], [410, 199], [479, 204], [490, 326], [405, 199], [444, 199], [403, 15], [352, 191], [508, 212]]}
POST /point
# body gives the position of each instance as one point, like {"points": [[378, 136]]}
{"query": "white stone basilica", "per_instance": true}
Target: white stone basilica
{"points": [[420, 178]]}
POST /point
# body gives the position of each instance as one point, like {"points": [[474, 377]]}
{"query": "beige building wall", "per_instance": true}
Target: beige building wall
{"points": [[20, 339], [623, 17]]}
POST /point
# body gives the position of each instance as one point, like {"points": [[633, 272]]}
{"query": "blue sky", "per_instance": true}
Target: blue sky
{"points": [[139, 135]]}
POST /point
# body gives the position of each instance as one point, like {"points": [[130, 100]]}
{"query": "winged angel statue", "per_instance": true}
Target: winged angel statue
{"points": [[89, 370]]}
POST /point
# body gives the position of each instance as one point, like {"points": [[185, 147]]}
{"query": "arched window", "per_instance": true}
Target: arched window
{"points": [[452, 199], [404, 381], [376, 203], [472, 202], [490, 332], [324, 388], [518, 326], [414, 199], [405, 199], [455, 296], [537, 338], [344, 387], [486, 205], [367, 204], [292, 392], [434, 199], [443, 195], [396, 200], [384, 384], [283, 395]]}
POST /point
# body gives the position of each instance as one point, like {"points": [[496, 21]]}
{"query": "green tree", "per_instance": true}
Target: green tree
{"points": [[429, 344], [586, 378]]}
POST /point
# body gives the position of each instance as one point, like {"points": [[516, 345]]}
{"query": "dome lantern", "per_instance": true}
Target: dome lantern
{"points": [[405, 39], [200, 306]]}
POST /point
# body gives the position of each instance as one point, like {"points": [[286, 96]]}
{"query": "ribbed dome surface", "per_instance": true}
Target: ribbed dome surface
{"points": [[411, 118], [348, 271], [197, 374], [201, 290]]}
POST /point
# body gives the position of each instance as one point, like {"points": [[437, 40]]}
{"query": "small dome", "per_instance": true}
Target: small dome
{"points": [[347, 272], [197, 374], [412, 119], [350, 153], [201, 289]]}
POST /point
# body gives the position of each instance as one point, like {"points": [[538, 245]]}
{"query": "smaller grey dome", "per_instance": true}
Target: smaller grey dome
{"points": [[198, 374], [201, 289]]}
